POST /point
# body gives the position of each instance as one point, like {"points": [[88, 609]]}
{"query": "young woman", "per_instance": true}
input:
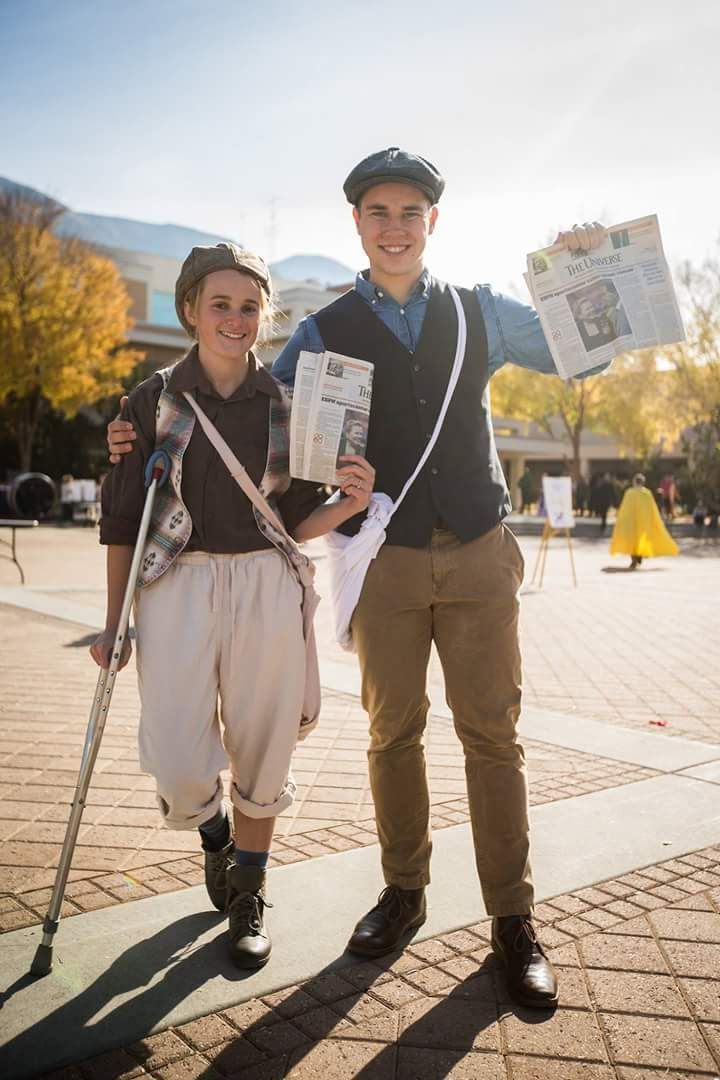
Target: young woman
{"points": [[221, 655]]}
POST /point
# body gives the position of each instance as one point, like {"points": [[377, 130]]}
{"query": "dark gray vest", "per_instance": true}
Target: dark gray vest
{"points": [[462, 484]]}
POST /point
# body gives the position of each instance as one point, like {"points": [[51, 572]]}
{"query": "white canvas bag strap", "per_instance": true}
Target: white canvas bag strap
{"points": [[236, 470], [452, 383]]}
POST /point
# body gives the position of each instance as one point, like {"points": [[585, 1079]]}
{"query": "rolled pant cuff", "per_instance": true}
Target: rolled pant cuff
{"points": [[263, 810], [193, 821]]}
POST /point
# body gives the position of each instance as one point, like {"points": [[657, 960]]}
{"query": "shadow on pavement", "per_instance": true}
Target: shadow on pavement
{"points": [[67, 1034], [454, 1023], [629, 570], [88, 639]]}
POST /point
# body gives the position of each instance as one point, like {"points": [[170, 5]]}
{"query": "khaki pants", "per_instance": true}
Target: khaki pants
{"points": [[225, 627], [464, 598]]}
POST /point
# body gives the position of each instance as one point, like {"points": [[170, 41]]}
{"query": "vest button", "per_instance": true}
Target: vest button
{"points": [[416, 367], [434, 471], [423, 401]]}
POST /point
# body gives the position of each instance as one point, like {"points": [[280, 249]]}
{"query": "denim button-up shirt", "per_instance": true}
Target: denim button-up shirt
{"points": [[513, 329]]}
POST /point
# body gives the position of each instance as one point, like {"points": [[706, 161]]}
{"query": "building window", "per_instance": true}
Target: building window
{"points": [[162, 309], [137, 291]]}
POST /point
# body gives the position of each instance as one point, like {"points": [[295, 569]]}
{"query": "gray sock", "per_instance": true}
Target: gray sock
{"points": [[215, 833]]}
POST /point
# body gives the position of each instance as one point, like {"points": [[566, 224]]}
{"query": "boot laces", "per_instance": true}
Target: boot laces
{"points": [[245, 912], [526, 936], [391, 901]]}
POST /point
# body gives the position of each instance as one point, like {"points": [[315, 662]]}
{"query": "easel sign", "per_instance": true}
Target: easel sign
{"points": [[557, 491], [557, 495]]}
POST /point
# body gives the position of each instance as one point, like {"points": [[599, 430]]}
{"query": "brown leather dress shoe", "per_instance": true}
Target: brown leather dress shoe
{"points": [[381, 930], [529, 974], [249, 943]]}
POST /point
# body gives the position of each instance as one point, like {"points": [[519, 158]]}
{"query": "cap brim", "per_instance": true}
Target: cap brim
{"points": [[358, 190]]}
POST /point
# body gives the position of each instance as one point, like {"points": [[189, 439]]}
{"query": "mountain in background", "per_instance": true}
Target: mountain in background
{"points": [[313, 268], [172, 241]]}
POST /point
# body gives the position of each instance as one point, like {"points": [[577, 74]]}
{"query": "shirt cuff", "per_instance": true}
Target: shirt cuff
{"points": [[117, 530]]}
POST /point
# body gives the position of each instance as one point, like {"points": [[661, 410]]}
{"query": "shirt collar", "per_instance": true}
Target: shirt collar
{"points": [[369, 292], [189, 375]]}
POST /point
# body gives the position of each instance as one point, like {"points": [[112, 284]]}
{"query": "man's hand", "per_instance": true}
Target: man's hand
{"points": [[583, 237], [120, 435]]}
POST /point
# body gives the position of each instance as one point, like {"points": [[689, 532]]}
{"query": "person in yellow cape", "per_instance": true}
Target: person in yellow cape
{"points": [[639, 530]]}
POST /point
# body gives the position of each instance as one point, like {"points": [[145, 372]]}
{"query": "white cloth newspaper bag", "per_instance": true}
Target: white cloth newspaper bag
{"points": [[350, 556]]}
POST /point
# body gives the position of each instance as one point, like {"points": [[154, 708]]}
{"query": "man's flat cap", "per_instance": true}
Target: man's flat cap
{"points": [[394, 166], [206, 260]]}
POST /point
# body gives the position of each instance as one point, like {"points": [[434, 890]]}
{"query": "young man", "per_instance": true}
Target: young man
{"points": [[449, 571]]}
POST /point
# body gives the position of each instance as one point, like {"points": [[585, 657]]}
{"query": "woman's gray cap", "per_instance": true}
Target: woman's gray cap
{"points": [[394, 166], [206, 260]]}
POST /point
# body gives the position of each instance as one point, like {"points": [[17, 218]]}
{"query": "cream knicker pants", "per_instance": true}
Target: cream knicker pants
{"points": [[221, 672]]}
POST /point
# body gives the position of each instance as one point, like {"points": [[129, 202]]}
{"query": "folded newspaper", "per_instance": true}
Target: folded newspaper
{"points": [[330, 414], [597, 304]]}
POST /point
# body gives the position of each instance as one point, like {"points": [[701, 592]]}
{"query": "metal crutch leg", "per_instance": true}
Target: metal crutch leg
{"points": [[156, 473]]}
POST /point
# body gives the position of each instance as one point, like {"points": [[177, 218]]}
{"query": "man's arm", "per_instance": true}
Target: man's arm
{"points": [[306, 336], [514, 331]]}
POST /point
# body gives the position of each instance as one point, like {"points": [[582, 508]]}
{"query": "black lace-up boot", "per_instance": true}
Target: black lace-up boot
{"points": [[216, 867], [249, 942], [529, 974], [381, 930]]}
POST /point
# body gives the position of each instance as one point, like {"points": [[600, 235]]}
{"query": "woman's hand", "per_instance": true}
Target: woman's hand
{"points": [[101, 648], [357, 480], [120, 435]]}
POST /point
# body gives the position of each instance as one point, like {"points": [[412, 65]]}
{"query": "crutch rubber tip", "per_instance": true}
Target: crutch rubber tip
{"points": [[42, 964]]}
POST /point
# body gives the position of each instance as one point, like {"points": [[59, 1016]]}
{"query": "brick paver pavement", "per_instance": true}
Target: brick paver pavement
{"points": [[639, 1000], [634, 649], [639, 956], [123, 853]]}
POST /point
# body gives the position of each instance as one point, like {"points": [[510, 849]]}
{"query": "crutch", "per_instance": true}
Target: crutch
{"points": [[156, 473]]}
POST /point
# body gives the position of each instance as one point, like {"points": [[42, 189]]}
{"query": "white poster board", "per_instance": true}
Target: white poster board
{"points": [[557, 492]]}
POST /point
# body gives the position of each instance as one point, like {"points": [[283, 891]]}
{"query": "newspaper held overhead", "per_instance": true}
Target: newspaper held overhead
{"points": [[595, 305], [330, 414]]}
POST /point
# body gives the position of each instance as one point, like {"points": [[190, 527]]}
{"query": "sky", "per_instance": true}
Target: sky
{"points": [[243, 118]]}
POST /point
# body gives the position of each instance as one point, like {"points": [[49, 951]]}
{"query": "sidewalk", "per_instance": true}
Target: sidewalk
{"points": [[640, 1000], [637, 651]]}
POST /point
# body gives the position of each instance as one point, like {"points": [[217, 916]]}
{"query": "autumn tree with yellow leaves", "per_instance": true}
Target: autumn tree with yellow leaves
{"points": [[696, 361], [63, 321], [550, 403]]}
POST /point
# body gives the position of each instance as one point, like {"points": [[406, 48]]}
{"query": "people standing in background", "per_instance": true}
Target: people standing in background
{"points": [[67, 497], [581, 494], [527, 490], [604, 498], [668, 489]]}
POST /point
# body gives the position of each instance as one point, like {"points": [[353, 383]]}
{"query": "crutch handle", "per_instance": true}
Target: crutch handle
{"points": [[157, 468]]}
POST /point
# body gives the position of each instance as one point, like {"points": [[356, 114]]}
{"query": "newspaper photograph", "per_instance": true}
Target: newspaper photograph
{"points": [[330, 414], [595, 305]]}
